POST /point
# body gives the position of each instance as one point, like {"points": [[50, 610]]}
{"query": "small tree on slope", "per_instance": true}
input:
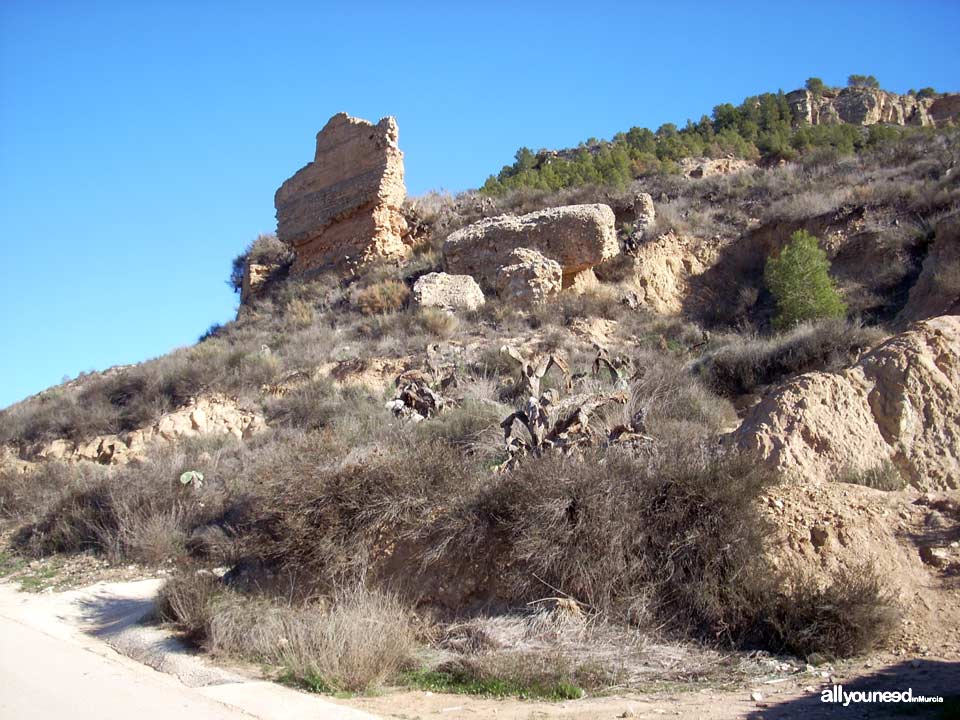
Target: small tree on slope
{"points": [[800, 281]]}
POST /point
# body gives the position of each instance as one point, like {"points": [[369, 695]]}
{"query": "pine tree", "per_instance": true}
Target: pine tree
{"points": [[800, 281]]}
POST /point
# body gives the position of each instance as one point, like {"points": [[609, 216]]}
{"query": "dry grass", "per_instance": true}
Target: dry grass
{"points": [[354, 642], [383, 297], [136, 512], [883, 476], [436, 322], [364, 639], [744, 364]]}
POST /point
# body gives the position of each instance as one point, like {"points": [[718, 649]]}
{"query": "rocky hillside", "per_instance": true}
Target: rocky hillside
{"points": [[526, 425], [816, 123]]}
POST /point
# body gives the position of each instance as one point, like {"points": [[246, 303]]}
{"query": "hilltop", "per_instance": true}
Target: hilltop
{"points": [[815, 123]]}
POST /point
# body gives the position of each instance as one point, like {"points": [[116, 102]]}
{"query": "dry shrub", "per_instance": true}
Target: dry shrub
{"points": [[668, 395], [121, 400], [601, 301], [310, 406], [746, 364], [526, 674], [363, 639], [187, 601], [636, 539], [807, 204], [852, 615], [266, 249], [471, 428], [318, 525], [25, 497], [252, 370], [298, 314], [947, 278], [138, 512], [436, 322], [883, 476], [383, 297]]}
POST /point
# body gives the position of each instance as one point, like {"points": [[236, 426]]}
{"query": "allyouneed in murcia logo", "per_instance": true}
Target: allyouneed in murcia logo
{"points": [[837, 694]]}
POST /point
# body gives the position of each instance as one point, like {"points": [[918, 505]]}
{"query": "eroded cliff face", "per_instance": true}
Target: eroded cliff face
{"points": [[899, 404], [869, 106], [343, 209]]}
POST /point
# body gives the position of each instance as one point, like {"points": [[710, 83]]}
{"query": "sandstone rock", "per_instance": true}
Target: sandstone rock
{"points": [[945, 110], [597, 331], [576, 236], [450, 292], [869, 106], [644, 212], [343, 209], [376, 374], [529, 277], [900, 403], [866, 528], [254, 275], [582, 282], [211, 415], [662, 269], [708, 167], [59, 449]]}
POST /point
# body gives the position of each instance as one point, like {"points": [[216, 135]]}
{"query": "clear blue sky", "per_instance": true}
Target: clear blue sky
{"points": [[141, 143]]}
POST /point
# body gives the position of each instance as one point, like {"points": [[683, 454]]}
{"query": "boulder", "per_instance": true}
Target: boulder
{"points": [[344, 208], [899, 404], [575, 236], [450, 292], [529, 277]]}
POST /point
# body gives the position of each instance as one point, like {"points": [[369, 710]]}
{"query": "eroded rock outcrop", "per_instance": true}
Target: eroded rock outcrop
{"points": [[644, 212], [869, 106], [663, 267], [899, 404], [708, 167], [344, 208], [575, 236], [211, 415], [529, 277], [254, 277], [450, 292]]}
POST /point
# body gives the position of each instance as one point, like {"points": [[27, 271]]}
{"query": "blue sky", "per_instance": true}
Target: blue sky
{"points": [[141, 143]]}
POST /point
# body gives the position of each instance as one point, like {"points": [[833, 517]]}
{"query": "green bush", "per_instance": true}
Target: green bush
{"points": [[799, 279], [863, 81], [815, 85]]}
